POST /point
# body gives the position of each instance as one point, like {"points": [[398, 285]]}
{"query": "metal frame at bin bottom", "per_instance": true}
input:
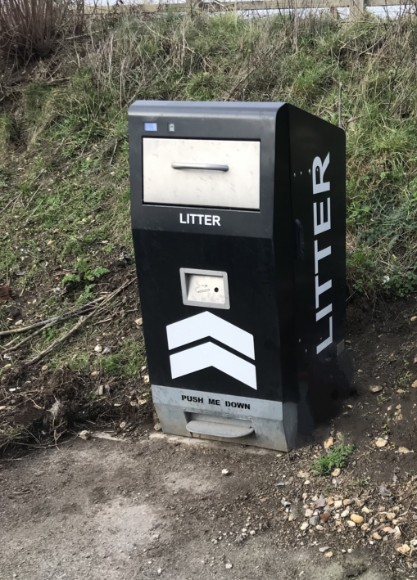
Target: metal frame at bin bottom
{"points": [[267, 424]]}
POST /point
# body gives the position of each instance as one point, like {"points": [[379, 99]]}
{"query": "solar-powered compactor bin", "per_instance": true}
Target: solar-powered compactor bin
{"points": [[238, 216]]}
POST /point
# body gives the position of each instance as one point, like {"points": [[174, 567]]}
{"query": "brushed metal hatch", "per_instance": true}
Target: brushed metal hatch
{"points": [[201, 172]]}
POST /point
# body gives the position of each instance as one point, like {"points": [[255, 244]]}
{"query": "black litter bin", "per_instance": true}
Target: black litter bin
{"points": [[238, 216]]}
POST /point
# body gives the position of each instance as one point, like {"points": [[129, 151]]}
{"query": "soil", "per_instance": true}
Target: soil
{"points": [[146, 506]]}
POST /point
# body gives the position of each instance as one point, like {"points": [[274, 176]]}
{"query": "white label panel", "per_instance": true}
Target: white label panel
{"points": [[205, 288], [192, 172]]}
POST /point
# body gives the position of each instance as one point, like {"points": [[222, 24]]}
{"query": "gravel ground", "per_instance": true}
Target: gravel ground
{"points": [[157, 508]]}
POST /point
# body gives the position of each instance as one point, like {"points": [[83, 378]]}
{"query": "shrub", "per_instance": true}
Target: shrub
{"points": [[33, 28], [337, 456]]}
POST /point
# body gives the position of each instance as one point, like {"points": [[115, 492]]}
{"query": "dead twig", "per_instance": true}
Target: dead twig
{"points": [[114, 151], [22, 329], [25, 340], [59, 340], [108, 319], [54, 319], [77, 326]]}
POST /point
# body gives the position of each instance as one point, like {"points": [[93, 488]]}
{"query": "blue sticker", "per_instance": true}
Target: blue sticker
{"points": [[150, 126]]}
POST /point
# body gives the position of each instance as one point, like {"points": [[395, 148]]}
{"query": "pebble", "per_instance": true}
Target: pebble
{"points": [[159, 571], [325, 516], [347, 502], [314, 521], [320, 501], [229, 566], [338, 504], [157, 427], [308, 513], [357, 518], [304, 526], [345, 513], [404, 450], [85, 435], [390, 515], [404, 549], [98, 348], [376, 536], [336, 472], [328, 554], [365, 510], [324, 549], [380, 442], [225, 472], [414, 385], [375, 388], [350, 524], [329, 442]]}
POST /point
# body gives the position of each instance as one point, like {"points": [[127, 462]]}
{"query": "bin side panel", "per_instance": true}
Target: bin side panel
{"points": [[318, 177]]}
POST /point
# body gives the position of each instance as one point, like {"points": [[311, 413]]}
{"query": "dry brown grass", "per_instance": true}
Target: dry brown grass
{"points": [[33, 28]]}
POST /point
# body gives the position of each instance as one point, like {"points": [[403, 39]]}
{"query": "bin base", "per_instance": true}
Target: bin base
{"points": [[267, 424]]}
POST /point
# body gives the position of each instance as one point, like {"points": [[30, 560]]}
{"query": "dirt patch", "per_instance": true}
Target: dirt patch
{"points": [[40, 403], [148, 508], [103, 509]]}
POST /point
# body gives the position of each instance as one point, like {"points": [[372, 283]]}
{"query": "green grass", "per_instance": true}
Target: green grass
{"points": [[65, 178], [123, 362], [126, 362], [337, 456], [64, 174]]}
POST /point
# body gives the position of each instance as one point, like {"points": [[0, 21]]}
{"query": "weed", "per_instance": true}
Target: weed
{"points": [[5, 132], [362, 483], [84, 273], [126, 362], [33, 28], [337, 456], [86, 295]]}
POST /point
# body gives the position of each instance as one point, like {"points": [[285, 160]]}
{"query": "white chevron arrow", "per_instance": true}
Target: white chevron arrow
{"points": [[205, 325], [210, 355]]}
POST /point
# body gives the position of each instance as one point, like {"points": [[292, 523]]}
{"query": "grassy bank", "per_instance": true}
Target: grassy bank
{"points": [[64, 210], [64, 129]]}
